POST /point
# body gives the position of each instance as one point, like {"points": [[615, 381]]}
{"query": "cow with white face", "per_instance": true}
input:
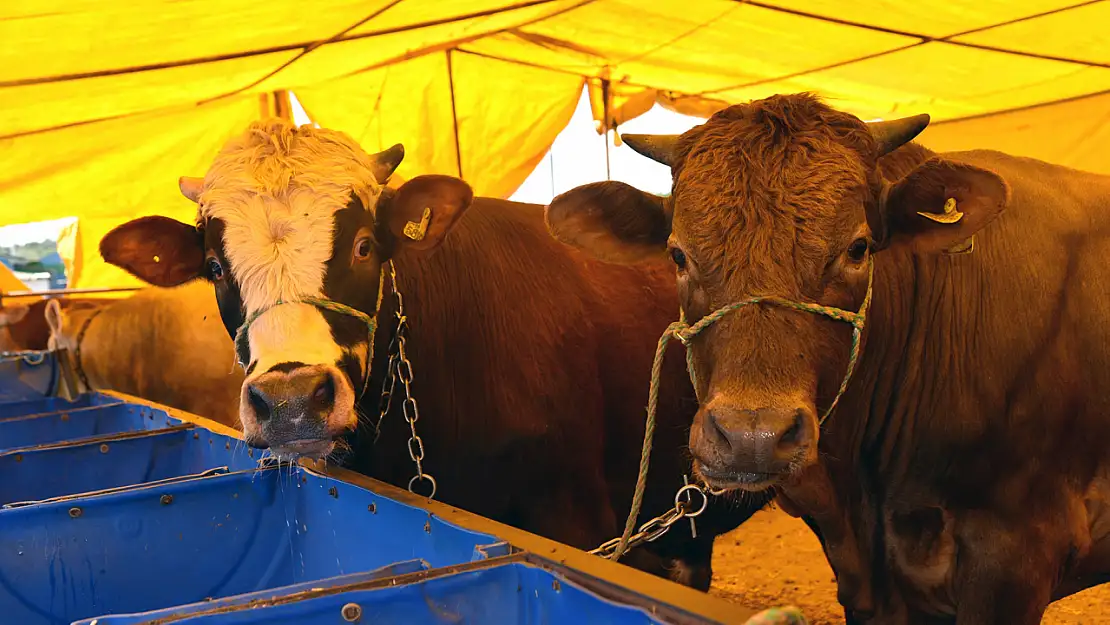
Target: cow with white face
{"points": [[288, 226]]}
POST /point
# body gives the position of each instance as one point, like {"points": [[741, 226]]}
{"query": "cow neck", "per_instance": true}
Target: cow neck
{"points": [[865, 446], [370, 403], [383, 338], [865, 417], [80, 340]]}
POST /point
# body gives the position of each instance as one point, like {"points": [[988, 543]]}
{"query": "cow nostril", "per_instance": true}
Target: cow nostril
{"points": [[714, 429], [259, 403], [324, 395], [792, 437]]}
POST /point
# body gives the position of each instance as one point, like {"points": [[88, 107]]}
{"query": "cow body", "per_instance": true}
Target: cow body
{"points": [[969, 455], [164, 345], [528, 366], [962, 476], [529, 372]]}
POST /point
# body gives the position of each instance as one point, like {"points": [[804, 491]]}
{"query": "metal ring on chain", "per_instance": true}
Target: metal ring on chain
{"points": [[692, 488], [422, 478]]}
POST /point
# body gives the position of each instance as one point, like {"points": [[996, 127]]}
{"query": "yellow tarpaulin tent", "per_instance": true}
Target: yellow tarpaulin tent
{"points": [[106, 104]]}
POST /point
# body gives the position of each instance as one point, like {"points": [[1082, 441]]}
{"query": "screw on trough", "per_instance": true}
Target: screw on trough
{"points": [[352, 612], [555, 585], [333, 492], [373, 508], [74, 512], [19, 457], [167, 500], [104, 448]]}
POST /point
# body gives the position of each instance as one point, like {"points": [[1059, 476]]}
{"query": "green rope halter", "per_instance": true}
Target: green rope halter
{"points": [[686, 333], [242, 344]]}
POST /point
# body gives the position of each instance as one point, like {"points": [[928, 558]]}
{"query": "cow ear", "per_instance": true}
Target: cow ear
{"points": [[611, 221], [157, 250], [420, 213], [941, 204]]}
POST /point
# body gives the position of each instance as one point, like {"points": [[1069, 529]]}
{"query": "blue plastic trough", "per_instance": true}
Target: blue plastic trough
{"points": [[118, 511]]}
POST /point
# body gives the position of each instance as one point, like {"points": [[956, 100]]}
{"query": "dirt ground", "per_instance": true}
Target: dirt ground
{"points": [[774, 560]]}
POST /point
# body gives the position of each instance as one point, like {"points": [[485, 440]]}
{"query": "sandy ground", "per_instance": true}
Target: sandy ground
{"points": [[774, 559]]}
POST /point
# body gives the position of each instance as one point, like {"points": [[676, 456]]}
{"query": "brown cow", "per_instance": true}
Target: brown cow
{"points": [[963, 475], [165, 345], [528, 364]]}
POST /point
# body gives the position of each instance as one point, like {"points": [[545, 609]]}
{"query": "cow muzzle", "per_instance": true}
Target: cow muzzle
{"points": [[751, 449], [297, 411]]}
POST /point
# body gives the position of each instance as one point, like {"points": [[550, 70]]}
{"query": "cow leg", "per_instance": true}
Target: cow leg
{"points": [[1004, 575], [694, 566]]}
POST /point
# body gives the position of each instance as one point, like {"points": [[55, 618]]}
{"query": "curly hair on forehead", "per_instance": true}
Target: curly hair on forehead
{"points": [[761, 186], [781, 121]]}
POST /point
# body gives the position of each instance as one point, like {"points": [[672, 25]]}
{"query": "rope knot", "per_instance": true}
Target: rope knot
{"points": [[681, 331]]}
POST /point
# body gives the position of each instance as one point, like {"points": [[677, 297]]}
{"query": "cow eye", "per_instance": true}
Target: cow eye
{"points": [[679, 257], [363, 248], [858, 250], [215, 270]]}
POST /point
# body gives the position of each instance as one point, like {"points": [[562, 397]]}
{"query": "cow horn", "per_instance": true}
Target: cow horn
{"points": [[386, 162], [892, 134], [659, 148], [190, 187]]}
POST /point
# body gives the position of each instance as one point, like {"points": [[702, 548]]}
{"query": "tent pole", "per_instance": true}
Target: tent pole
{"points": [[605, 123], [454, 113], [283, 107], [275, 104]]}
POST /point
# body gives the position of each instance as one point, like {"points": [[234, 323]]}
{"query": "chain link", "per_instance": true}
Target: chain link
{"points": [[650, 531], [31, 357], [400, 369]]}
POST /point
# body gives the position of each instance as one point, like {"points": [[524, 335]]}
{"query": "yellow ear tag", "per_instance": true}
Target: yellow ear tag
{"points": [[950, 216], [416, 231]]}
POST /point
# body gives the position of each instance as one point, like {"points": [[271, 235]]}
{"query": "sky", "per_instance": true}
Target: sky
{"points": [[577, 157]]}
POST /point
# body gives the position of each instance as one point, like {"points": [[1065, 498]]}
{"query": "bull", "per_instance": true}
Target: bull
{"points": [[526, 360], [909, 348]]}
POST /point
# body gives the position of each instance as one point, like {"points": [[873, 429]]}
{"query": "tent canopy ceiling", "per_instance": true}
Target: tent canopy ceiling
{"points": [[138, 93]]}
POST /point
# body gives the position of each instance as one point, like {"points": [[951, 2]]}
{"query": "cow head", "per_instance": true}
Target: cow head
{"points": [[286, 214], [782, 198]]}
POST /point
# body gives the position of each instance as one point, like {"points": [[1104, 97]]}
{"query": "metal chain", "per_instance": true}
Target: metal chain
{"points": [[31, 357], [399, 368], [650, 531]]}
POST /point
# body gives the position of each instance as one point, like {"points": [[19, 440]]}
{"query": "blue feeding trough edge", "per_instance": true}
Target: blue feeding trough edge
{"points": [[117, 511]]}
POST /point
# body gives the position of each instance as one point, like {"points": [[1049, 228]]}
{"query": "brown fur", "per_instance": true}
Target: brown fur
{"points": [[24, 327], [530, 364], [529, 368], [164, 345], [963, 476]]}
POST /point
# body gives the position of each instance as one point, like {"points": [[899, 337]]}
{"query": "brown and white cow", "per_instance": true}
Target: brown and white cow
{"points": [[528, 363], [963, 474]]}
